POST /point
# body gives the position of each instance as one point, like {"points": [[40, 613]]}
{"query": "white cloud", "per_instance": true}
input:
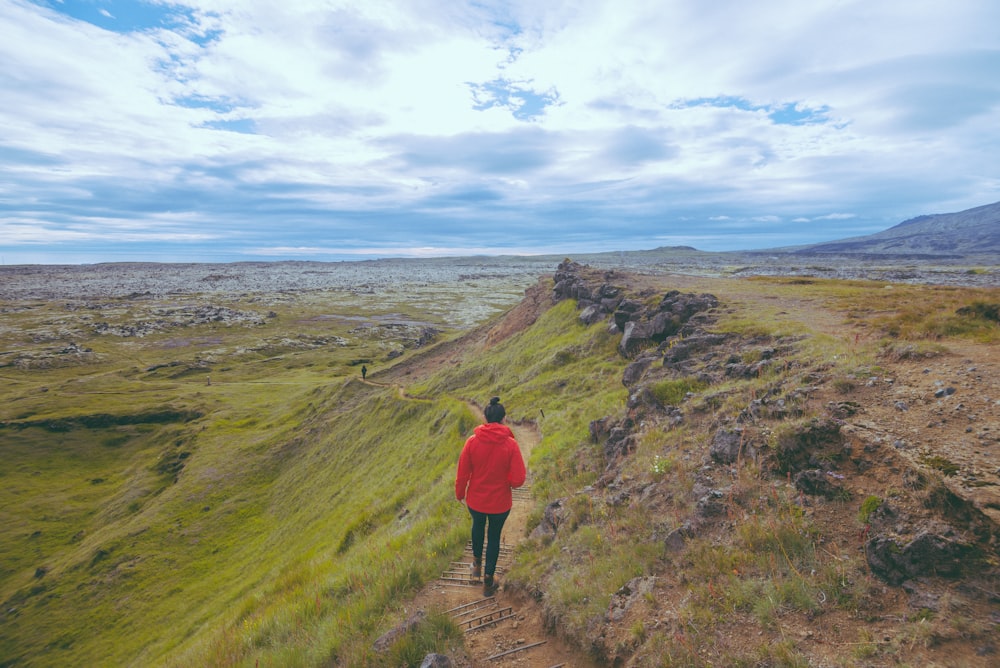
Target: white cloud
{"points": [[552, 120]]}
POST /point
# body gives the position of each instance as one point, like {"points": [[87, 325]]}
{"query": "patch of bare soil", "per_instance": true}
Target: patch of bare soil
{"points": [[537, 298], [919, 423], [939, 411], [943, 414]]}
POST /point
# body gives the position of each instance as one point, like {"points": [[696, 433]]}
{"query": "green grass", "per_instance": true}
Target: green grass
{"points": [[288, 512], [671, 392], [260, 531], [559, 373]]}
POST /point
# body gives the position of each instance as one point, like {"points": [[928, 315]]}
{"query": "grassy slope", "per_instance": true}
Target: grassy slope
{"points": [[311, 505], [253, 530]]}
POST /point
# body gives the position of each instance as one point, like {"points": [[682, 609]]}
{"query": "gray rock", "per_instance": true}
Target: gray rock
{"points": [[677, 539], [928, 554], [552, 518], [625, 598], [591, 314], [635, 336], [436, 661], [816, 483], [711, 503], [634, 372], [728, 445], [386, 640]]}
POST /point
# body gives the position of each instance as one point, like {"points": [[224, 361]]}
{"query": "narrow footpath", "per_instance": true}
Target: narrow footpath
{"points": [[504, 630]]}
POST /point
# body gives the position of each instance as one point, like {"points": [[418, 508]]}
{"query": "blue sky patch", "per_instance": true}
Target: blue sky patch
{"points": [[524, 103], [790, 113], [219, 104], [794, 114], [123, 16], [244, 126]]}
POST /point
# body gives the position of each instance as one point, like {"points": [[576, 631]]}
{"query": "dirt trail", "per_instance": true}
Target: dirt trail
{"points": [[519, 639], [932, 412]]}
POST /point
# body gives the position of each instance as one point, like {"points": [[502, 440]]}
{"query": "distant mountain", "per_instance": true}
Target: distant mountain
{"points": [[974, 232]]}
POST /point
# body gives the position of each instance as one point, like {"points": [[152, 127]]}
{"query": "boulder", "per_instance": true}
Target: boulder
{"points": [[927, 554], [627, 310], [676, 539], [634, 372], [816, 483], [635, 336], [727, 446], [386, 640], [591, 314], [625, 598], [711, 502], [810, 445], [552, 518]]}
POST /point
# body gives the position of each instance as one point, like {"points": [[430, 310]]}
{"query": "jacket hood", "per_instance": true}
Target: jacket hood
{"points": [[494, 432]]}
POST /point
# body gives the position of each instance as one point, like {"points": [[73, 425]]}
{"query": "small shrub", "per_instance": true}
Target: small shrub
{"points": [[866, 647], [672, 392], [662, 466], [980, 309], [868, 506], [911, 351], [845, 385], [781, 653], [942, 464], [433, 633]]}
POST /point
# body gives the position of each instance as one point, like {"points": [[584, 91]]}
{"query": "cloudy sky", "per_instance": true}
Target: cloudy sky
{"points": [[222, 130]]}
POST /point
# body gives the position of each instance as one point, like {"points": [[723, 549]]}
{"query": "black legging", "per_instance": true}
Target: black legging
{"points": [[479, 532]]}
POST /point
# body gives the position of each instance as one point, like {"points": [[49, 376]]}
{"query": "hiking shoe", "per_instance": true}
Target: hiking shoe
{"points": [[489, 586], [477, 569]]}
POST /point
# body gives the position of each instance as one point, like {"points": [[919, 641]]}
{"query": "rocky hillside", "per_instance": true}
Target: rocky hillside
{"points": [[965, 234], [804, 514]]}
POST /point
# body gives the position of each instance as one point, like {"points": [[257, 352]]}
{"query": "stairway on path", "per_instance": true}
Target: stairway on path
{"points": [[485, 612]]}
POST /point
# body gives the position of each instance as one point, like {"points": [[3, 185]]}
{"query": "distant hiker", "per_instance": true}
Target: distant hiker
{"points": [[364, 372], [488, 468]]}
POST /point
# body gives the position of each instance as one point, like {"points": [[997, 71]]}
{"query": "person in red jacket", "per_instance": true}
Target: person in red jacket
{"points": [[488, 468]]}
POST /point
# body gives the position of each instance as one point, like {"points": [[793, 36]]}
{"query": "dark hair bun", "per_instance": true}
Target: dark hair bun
{"points": [[495, 412]]}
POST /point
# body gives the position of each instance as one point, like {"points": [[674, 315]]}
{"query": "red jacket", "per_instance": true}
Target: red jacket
{"points": [[489, 467]]}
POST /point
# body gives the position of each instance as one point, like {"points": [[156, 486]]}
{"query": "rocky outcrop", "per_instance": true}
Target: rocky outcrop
{"points": [[71, 354], [623, 599], [172, 318], [928, 553], [386, 640], [728, 445], [642, 326], [436, 660], [815, 444], [594, 293], [820, 483], [552, 518]]}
